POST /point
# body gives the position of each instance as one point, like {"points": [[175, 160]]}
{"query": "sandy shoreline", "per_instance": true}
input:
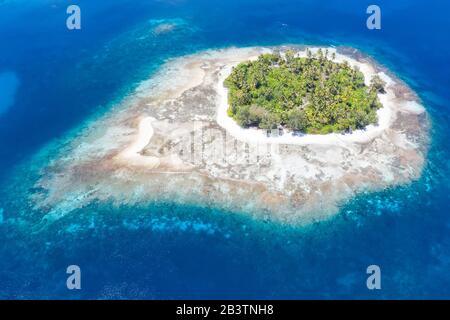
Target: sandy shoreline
{"points": [[254, 135]]}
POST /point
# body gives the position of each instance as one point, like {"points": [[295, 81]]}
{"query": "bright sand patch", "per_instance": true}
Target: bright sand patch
{"points": [[132, 155]]}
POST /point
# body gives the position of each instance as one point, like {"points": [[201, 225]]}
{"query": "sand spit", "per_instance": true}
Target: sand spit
{"points": [[172, 141]]}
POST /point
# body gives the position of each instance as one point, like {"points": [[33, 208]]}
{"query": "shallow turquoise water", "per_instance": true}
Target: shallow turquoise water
{"points": [[67, 79]]}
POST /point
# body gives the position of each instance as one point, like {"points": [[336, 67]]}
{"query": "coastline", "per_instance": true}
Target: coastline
{"points": [[255, 135]]}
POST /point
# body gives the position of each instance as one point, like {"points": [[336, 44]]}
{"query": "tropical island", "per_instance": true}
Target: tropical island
{"points": [[311, 94], [173, 141]]}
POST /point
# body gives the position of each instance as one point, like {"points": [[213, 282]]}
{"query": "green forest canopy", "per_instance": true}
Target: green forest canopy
{"points": [[311, 94]]}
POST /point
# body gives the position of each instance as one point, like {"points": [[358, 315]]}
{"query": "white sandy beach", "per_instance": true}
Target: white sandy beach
{"points": [[254, 135]]}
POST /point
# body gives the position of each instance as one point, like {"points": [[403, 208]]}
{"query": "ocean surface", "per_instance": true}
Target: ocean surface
{"points": [[53, 81]]}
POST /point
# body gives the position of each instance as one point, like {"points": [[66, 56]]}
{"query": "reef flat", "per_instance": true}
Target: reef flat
{"points": [[173, 141]]}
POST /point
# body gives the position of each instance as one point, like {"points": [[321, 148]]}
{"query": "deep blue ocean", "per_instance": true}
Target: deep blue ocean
{"points": [[53, 80]]}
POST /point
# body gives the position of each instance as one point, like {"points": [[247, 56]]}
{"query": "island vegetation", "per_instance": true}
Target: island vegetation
{"points": [[311, 94]]}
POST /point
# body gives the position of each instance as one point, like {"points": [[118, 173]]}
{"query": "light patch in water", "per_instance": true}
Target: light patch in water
{"points": [[9, 83]]}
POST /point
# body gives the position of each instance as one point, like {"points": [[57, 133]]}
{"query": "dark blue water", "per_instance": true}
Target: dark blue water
{"points": [[52, 80]]}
